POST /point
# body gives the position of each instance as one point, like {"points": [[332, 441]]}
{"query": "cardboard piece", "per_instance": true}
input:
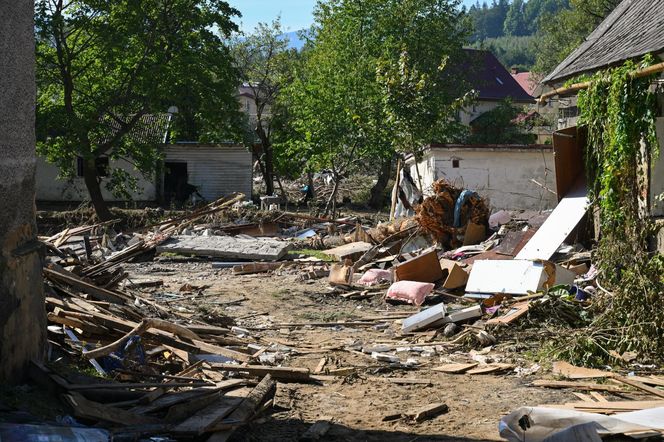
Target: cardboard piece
{"points": [[455, 276], [422, 268], [424, 318], [341, 274], [516, 311], [573, 372], [516, 277], [475, 234], [455, 368]]}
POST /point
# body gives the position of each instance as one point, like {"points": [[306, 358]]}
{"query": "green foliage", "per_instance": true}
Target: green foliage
{"points": [[370, 63], [507, 30], [561, 32], [518, 52], [103, 66], [498, 126], [619, 112], [265, 64]]}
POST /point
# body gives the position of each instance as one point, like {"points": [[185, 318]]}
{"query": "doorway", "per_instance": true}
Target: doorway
{"points": [[175, 181]]}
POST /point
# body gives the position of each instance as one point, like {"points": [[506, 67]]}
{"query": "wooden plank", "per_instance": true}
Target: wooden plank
{"points": [[321, 365], [137, 385], [577, 385], [171, 399], [573, 372], [598, 397], [649, 380], [562, 221], [428, 412], [98, 293], [278, 373], [208, 416], [422, 268], [583, 397], [245, 410], [455, 368], [214, 349], [641, 386], [491, 368], [86, 409], [515, 312]]}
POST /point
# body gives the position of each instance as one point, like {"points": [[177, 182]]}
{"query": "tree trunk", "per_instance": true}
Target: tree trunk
{"points": [[377, 200], [332, 200], [92, 183], [284, 195], [268, 159]]}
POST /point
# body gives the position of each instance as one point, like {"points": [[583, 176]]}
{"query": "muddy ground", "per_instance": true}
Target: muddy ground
{"points": [[357, 403]]}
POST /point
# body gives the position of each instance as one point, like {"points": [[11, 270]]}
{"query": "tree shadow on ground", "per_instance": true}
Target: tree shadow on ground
{"points": [[271, 429]]}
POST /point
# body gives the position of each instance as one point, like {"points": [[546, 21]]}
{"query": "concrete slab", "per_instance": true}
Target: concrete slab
{"points": [[228, 247]]}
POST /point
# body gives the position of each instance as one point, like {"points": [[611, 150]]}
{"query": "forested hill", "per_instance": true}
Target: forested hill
{"points": [[509, 29]]}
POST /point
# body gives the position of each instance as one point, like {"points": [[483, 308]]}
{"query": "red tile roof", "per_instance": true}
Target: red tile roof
{"points": [[526, 81]]}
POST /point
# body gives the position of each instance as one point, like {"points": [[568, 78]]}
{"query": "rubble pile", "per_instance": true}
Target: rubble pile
{"points": [[447, 213], [447, 300]]}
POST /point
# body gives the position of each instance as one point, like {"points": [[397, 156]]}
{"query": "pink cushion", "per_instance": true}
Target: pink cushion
{"points": [[375, 276], [410, 291]]}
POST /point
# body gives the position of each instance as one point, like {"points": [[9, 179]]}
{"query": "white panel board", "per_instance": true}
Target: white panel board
{"points": [[558, 225]]}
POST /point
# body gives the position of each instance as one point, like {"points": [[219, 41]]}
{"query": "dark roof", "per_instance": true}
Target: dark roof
{"points": [[150, 128], [633, 29], [490, 78]]}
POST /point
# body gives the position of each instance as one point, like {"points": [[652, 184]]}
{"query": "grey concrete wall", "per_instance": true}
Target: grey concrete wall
{"points": [[22, 315]]}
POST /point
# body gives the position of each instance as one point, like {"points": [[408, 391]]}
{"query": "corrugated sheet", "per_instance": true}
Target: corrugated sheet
{"points": [[216, 170], [634, 28]]}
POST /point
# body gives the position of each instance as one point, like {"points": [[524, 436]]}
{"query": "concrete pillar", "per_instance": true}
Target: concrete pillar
{"points": [[22, 315]]}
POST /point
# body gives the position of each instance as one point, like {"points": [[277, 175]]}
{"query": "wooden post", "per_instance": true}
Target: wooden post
{"points": [[395, 190], [22, 315]]}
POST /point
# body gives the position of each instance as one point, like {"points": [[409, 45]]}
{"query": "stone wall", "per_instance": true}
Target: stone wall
{"points": [[22, 315]]}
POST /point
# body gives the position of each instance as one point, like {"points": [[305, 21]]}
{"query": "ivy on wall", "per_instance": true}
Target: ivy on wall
{"points": [[619, 112]]}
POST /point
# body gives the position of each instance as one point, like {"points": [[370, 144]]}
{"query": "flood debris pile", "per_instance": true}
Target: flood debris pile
{"points": [[453, 290], [451, 213]]}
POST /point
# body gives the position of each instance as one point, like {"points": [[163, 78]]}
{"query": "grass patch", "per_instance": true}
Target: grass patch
{"points": [[314, 253]]}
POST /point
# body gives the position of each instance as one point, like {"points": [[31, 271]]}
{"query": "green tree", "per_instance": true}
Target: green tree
{"points": [[500, 126], [102, 67], [265, 64], [352, 102], [515, 20], [560, 33]]}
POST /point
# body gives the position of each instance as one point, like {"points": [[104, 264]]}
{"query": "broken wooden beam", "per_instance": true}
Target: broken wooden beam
{"points": [[278, 373]]}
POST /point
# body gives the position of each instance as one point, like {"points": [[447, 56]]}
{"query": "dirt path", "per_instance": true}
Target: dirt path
{"points": [[358, 403]]}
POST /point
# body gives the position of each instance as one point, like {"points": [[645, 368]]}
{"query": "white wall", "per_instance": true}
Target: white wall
{"points": [[52, 188], [501, 175], [216, 170], [474, 111]]}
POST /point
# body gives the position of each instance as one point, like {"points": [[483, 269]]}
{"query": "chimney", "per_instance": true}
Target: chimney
{"points": [[515, 70]]}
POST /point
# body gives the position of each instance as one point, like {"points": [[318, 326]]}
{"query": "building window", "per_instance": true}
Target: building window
{"points": [[568, 112], [101, 164], [455, 164]]}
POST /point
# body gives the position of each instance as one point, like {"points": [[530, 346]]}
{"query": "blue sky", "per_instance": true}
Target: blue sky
{"points": [[295, 14]]}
